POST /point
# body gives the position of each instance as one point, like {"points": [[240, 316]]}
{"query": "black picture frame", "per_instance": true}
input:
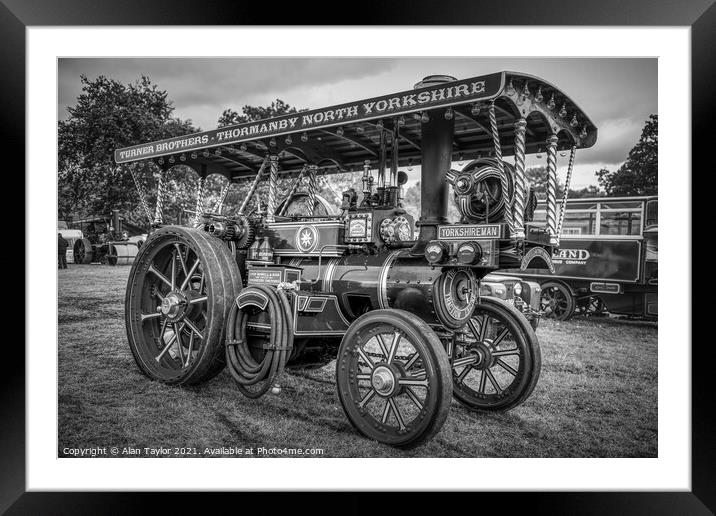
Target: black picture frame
{"points": [[700, 15]]}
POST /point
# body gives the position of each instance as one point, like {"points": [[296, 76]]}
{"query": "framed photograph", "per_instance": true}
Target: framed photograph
{"points": [[417, 257]]}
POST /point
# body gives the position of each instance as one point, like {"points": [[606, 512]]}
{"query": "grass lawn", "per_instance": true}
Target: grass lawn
{"points": [[596, 396]]}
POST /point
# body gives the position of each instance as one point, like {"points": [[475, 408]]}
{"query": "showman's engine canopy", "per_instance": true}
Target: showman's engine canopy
{"points": [[256, 286]]}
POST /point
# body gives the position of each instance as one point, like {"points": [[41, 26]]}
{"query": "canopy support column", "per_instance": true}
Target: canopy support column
{"points": [[199, 209], [140, 192], [251, 191], [222, 197], [291, 192], [552, 189], [273, 183], [501, 167], [394, 154], [382, 161], [312, 189], [567, 182], [158, 215], [520, 180]]}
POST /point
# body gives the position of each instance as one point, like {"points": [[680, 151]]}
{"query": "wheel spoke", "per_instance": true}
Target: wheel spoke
{"points": [[398, 415], [493, 381], [154, 315], [174, 269], [191, 347], [462, 375], [483, 327], [364, 401], [500, 337], [505, 353], [507, 367], [464, 361], [188, 276], [411, 361], [181, 260], [381, 344], [163, 330], [363, 376], [201, 282], [169, 344], [412, 380], [177, 332], [366, 358], [159, 275], [394, 346], [411, 394], [158, 294], [483, 380], [474, 328], [418, 373], [193, 328], [386, 412], [198, 300]]}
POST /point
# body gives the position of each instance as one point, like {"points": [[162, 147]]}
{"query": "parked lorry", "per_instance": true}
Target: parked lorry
{"points": [[607, 260]]}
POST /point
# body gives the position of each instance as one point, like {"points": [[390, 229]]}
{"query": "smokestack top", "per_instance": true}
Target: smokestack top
{"points": [[434, 80]]}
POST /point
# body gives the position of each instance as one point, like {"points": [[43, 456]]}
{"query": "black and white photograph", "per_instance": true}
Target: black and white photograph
{"points": [[290, 257], [385, 257]]}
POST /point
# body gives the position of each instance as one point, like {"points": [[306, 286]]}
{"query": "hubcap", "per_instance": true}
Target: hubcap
{"points": [[383, 380], [484, 359], [173, 306]]}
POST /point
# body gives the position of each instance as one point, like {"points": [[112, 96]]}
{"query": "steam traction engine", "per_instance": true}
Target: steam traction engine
{"points": [[105, 241], [251, 289]]}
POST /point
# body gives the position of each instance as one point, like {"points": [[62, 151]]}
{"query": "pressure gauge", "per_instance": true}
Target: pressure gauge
{"points": [[435, 251], [469, 253]]}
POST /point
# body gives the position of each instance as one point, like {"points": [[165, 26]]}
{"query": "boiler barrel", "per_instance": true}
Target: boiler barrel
{"points": [[362, 282]]}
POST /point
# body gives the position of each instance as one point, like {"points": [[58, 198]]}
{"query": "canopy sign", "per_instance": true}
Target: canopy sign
{"points": [[442, 95]]}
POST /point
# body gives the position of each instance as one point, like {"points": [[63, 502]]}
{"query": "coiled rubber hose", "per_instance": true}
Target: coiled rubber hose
{"points": [[244, 368]]}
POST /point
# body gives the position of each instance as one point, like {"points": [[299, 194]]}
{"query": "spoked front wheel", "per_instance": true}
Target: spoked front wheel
{"points": [[496, 359], [178, 295], [393, 378]]}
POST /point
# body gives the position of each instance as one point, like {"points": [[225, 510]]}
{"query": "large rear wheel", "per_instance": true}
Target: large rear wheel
{"points": [[393, 378], [496, 359], [179, 292]]}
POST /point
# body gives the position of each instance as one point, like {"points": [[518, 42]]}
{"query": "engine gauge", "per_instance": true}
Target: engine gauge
{"points": [[435, 251], [469, 253]]}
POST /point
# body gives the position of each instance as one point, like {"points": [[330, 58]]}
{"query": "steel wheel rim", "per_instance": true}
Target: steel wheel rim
{"points": [[171, 308], [554, 302], [490, 364], [389, 384]]}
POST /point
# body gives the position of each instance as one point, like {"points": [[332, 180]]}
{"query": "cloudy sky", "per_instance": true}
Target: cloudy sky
{"points": [[617, 94]]}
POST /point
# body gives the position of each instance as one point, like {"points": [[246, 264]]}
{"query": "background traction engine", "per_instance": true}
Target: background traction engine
{"points": [[105, 242], [253, 292]]}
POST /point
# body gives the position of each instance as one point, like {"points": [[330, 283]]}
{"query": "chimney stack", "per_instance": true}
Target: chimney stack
{"points": [[436, 143]]}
